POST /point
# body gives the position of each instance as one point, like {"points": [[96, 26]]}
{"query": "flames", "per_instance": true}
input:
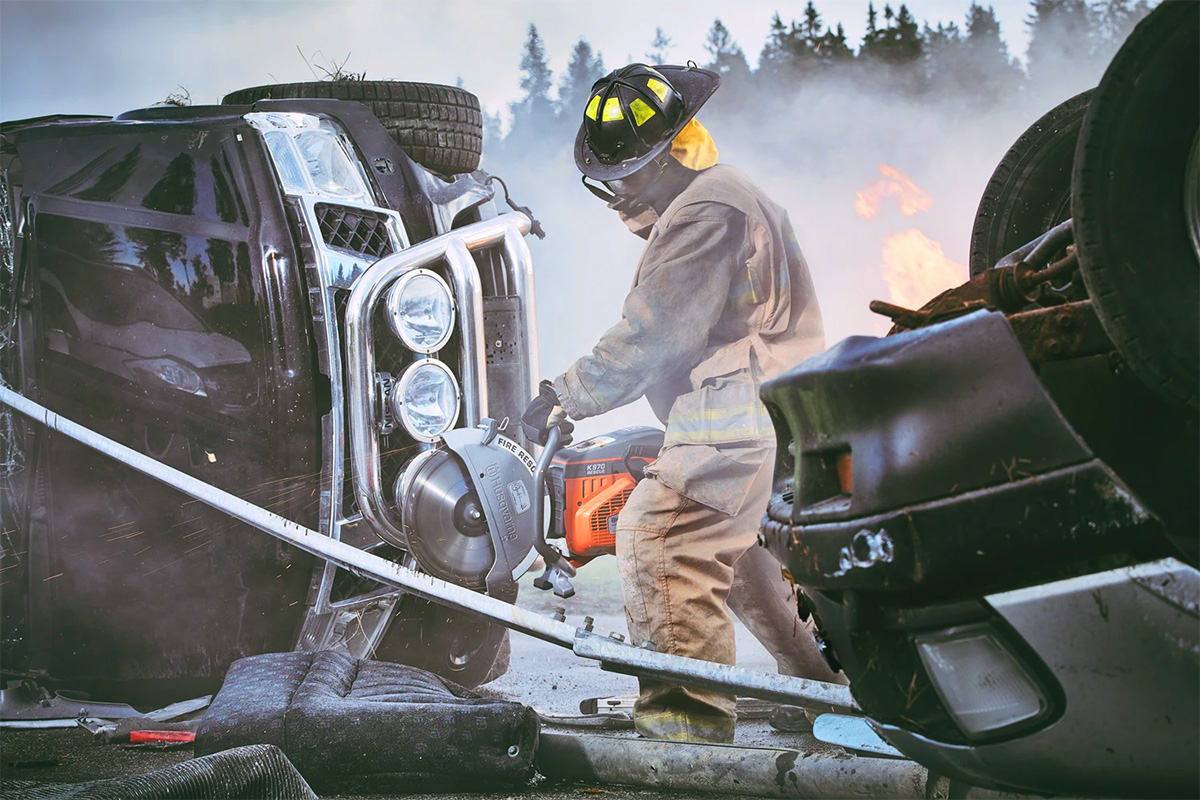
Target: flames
{"points": [[894, 183], [914, 266], [916, 269]]}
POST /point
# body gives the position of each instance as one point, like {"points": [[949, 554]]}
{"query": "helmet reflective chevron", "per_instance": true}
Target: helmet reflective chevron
{"points": [[634, 113]]}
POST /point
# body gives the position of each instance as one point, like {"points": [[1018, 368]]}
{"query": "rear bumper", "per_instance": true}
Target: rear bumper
{"points": [[965, 475], [965, 483], [968, 540]]}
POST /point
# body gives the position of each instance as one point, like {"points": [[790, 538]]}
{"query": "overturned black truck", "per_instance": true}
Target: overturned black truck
{"points": [[177, 279]]}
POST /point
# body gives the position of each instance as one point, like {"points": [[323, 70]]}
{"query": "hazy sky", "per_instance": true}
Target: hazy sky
{"points": [[109, 56]]}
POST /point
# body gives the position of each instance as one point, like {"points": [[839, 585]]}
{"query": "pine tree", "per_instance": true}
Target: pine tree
{"points": [[584, 69], [908, 38], [536, 78], [727, 58], [832, 47], [659, 47], [1115, 20], [799, 50], [811, 26], [899, 46], [493, 134], [787, 53], [533, 115], [991, 68], [872, 41], [947, 61], [1062, 34], [774, 58], [729, 62]]}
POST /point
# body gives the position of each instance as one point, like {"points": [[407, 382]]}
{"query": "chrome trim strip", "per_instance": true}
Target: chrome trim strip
{"points": [[454, 249], [333, 270]]}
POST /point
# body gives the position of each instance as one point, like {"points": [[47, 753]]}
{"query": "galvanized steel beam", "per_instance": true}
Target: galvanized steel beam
{"points": [[613, 655]]}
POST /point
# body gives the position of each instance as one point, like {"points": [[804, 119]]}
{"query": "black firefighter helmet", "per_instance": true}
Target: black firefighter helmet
{"points": [[634, 113]]}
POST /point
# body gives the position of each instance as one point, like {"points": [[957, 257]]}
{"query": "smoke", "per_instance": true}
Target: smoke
{"points": [[835, 148], [812, 148]]}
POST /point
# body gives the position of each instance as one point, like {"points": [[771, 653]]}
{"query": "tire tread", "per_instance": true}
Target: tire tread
{"points": [[440, 127]]}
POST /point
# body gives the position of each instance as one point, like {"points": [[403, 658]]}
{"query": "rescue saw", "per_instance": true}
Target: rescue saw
{"points": [[473, 510]]}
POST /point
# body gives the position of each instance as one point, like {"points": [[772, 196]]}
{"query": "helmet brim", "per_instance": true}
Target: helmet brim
{"points": [[695, 85]]}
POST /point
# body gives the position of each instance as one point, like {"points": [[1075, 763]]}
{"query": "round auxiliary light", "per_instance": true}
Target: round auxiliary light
{"points": [[420, 310], [426, 400]]}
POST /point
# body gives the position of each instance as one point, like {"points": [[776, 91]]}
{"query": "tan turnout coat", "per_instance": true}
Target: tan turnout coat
{"points": [[722, 299]]}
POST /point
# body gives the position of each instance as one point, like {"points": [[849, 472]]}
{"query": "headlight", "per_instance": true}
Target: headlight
{"points": [[421, 310], [426, 400], [981, 684], [312, 155], [168, 372]]}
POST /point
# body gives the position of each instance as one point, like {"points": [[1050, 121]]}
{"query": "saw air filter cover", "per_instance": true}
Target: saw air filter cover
{"points": [[590, 483]]}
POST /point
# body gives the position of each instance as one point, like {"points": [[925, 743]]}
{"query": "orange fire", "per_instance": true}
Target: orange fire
{"points": [[894, 183], [914, 266], [916, 270]]}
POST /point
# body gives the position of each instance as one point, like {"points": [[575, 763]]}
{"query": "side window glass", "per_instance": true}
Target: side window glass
{"points": [[228, 201], [175, 192], [184, 172], [111, 181]]}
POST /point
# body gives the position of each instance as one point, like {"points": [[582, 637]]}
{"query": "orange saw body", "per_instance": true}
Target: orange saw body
{"points": [[590, 483]]}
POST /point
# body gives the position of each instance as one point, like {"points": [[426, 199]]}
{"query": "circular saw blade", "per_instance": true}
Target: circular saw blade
{"points": [[447, 531]]}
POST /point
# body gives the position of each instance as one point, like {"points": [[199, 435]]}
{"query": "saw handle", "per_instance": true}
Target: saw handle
{"points": [[553, 556]]}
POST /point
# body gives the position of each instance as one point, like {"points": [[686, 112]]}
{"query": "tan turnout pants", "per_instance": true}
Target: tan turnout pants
{"points": [[683, 567]]}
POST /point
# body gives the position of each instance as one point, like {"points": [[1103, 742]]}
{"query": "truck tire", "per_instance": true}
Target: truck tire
{"points": [[466, 649], [1030, 191], [440, 127], [1134, 201]]}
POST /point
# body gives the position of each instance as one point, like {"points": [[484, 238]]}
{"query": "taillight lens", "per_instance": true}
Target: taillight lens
{"points": [[983, 686], [844, 472]]}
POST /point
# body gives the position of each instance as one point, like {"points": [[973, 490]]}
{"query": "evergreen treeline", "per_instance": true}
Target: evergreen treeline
{"points": [[971, 63]]}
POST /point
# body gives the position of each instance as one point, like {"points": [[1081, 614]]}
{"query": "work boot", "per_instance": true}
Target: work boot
{"points": [[792, 719], [678, 726]]}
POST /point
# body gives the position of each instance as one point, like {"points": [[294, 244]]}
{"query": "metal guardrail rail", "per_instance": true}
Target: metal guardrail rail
{"points": [[612, 655]]}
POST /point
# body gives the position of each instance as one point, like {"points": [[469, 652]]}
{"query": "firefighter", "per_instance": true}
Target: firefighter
{"points": [[722, 299]]}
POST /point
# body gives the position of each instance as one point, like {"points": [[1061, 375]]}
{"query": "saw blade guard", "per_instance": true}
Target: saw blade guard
{"points": [[468, 509]]}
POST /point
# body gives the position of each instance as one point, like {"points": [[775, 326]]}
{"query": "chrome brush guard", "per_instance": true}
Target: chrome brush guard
{"points": [[357, 623], [454, 249]]}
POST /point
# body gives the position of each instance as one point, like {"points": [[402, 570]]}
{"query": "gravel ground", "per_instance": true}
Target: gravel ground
{"points": [[548, 678]]}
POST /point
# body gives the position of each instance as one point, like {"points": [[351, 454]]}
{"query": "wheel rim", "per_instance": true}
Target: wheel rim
{"points": [[462, 649]]}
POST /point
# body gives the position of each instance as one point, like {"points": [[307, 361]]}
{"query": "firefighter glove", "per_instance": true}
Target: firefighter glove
{"points": [[544, 413]]}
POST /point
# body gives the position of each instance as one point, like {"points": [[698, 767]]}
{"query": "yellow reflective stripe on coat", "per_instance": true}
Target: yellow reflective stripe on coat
{"points": [[726, 417]]}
